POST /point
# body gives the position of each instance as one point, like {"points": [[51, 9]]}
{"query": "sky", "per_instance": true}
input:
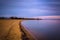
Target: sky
{"points": [[29, 8]]}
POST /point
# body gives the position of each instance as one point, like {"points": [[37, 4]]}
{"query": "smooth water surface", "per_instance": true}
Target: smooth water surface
{"points": [[43, 28]]}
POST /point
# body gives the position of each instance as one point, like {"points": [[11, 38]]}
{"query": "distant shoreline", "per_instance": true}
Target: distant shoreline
{"points": [[22, 18], [29, 18]]}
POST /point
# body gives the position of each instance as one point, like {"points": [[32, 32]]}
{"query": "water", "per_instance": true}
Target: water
{"points": [[49, 29]]}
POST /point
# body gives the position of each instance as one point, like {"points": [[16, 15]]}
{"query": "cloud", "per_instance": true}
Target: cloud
{"points": [[30, 7]]}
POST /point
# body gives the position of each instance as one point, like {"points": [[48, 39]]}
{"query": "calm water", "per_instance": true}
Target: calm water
{"points": [[43, 28]]}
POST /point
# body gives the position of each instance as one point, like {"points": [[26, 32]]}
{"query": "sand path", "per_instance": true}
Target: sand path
{"points": [[9, 30]]}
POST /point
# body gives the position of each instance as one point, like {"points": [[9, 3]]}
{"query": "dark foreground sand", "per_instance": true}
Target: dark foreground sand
{"points": [[10, 29]]}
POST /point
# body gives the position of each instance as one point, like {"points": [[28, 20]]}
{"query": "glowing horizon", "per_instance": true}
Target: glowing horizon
{"points": [[48, 17]]}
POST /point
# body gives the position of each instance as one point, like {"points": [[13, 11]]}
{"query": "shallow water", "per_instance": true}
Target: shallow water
{"points": [[43, 28]]}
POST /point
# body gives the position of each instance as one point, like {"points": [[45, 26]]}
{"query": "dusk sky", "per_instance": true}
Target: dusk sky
{"points": [[29, 8]]}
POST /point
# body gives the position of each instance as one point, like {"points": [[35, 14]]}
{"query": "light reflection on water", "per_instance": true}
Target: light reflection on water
{"points": [[48, 28]]}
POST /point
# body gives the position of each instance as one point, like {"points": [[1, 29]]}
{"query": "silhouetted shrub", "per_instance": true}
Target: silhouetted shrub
{"points": [[13, 17]]}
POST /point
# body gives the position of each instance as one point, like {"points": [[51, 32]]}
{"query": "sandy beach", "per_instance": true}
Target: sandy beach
{"points": [[10, 29]]}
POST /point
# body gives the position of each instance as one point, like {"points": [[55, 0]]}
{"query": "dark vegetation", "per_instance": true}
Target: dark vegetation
{"points": [[20, 18]]}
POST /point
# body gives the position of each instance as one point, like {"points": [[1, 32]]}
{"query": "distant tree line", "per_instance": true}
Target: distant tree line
{"points": [[20, 18], [9, 18]]}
